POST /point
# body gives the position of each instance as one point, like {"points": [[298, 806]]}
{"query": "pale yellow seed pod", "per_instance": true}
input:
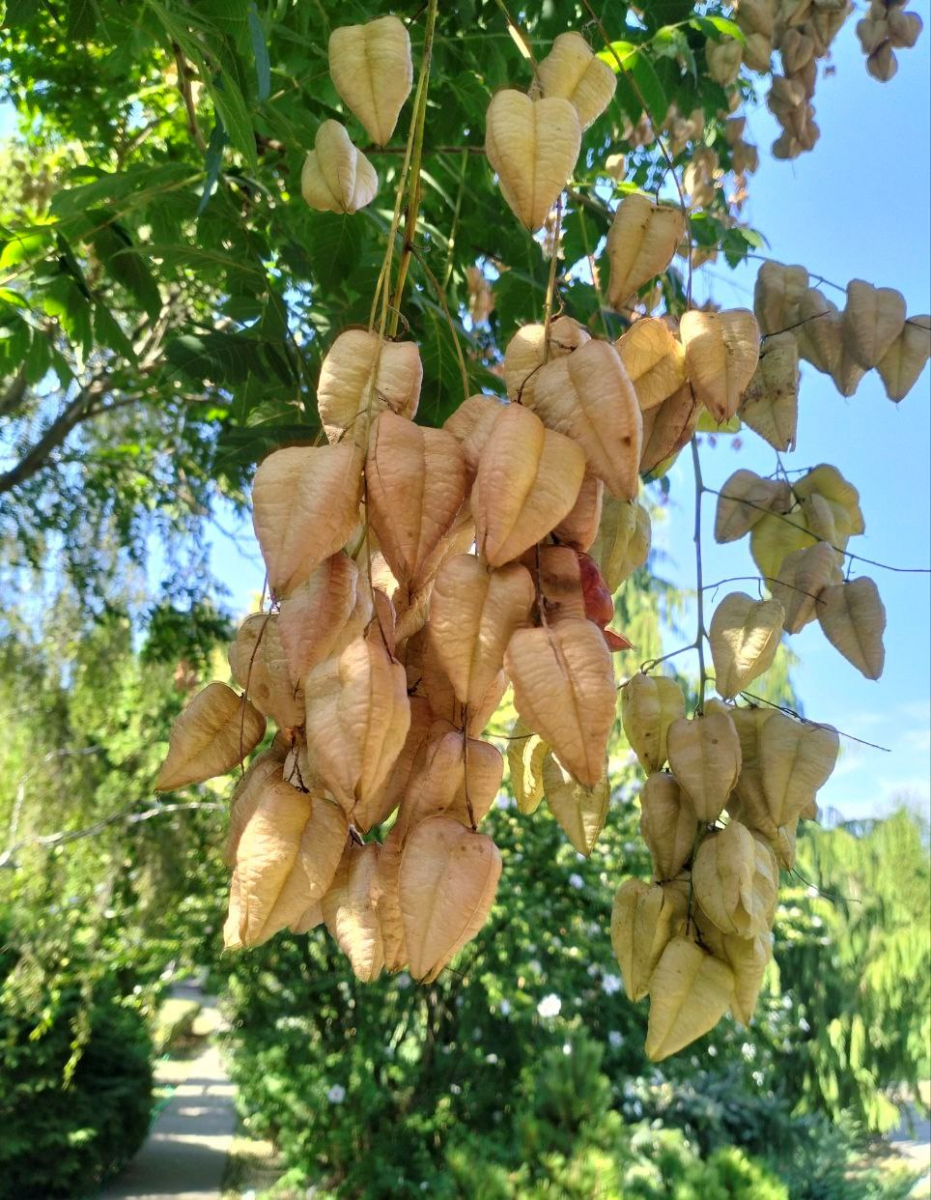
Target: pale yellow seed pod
{"points": [[667, 823], [735, 880], [644, 919], [336, 177], [689, 993], [371, 68], [745, 635], [649, 705], [704, 754]]}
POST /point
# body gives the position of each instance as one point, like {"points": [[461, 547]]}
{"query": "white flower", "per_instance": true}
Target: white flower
{"points": [[748, 1050], [403, 980], [505, 1008], [567, 1047], [803, 1025], [811, 891], [615, 1039], [549, 1006], [611, 984], [504, 800], [534, 965], [455, 1089], [576, 881], [712, 1051], [336, 1094], [491, 1058]]}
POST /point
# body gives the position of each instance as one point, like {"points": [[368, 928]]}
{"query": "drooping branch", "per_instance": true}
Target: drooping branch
{"points": [[37, 456]]}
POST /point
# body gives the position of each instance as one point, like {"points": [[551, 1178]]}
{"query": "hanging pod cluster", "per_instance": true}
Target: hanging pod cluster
{"points": [[696, 938], [885, 29], [872, 332]]}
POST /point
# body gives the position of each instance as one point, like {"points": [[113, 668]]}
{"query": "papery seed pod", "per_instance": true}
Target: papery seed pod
{"points": [[350, 909], [258, 664], [533, 147], [721, 354], [526, 354], [446, 885], [744, 500], [902, 364], [473, 613], [796, 759], [623, 541], [572, 71], [305, 503], [564, 690], [649, 705], [451, 775], [310, 918], [774, 538], [769, 404], [389, 795], [580, 528], [557, 574], [723, 59], [847, 374], [841, 496], [644, 919], [527, 752], [802, 578], [748, 958], [580, 811], [904, 28], [358, 716], [735, 880], [336, 177], [588, 397], [388, 901], [265, 768], [528, 481], [653, 359], [747, 803], [689, 993], [323, 614], [362, 376], [416, 481], [668, 824], [471, 425], [797, 49], [756, 16], [882, 64], [371, 69], [217, 730], [744, 636], [872, 34], [776, 295], [820, 331], [853, 619], [873, 319], [667, 428], [757, 52], [641, 242], [704, 754]]}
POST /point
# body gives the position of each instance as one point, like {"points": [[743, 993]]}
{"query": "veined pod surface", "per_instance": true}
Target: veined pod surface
{"points": [[371, 69]]}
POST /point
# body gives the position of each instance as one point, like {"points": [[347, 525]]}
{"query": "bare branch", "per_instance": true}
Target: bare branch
{"points": [[37, 456]]}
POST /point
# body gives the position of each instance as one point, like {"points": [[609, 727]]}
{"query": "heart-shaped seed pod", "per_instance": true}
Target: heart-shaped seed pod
{"points": [[667, 823], [776, 295], [572, 71], [653, 359], [557, 573], [744, 635], [564, 690], [649, 705], [588, 397], [321, 616], [775, 537], [350, 909], [853, 619], [748, 958], [882, 64], [258, 664], [873, 319], [756, 16], [820, 331], [704, 754], [217, 730], [724, 59], [641, 242], [735, 880], [527, 752], [305, 504], [388, 901], [473, 613], [758, 52], [580, 528], [446, 885], [721, 353], [803, 577], [623, 541], [689, 993], [528, 481], [471, 425], [667, 428], [526, 354], [797, 50], [644, 919], [744, 499], [581, 811], [770, 403], [371, 69], [533, 147], [901, 365], [453, 775], [265, 768], [336, 177], [841, 495], [796, 759], [363, 375], [747, 802]]}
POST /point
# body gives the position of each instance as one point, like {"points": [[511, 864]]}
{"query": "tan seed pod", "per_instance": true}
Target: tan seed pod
{"points": [[527, 752], [580, 528], [721, 353], [371, 69], [533, 147], [644, 919], [745, 635], [847, 374], [580, 811], [902, 364], [853, 619], [704, 754], [323, 614], [653, 359], [744, 499], [623, 541], [388, 901], [724, 59], [796, 759], [776, 295], [389, 795], [842, 497], [873, 319], [641, 243], [305, 503], [775, 537], [450, 775], [526, 354], [572, 71], [323, 842], [770, 403], [362, 376], [216, 731], [336, 177], [802, 578], [350, 909], [735, 879], [416, 482], [258, 664], [797, 50], [747, 803], [588, 397], [872, 34], [882, 64], [667, 823], [756, 16], [358, 716], [564, 690], [471, 424], [904, 28], [820, 331], [667, 428], [748, 958], [557, 573], [758, 52], [473, 613], [689, 993], [649, 705], [310, 918], [264, 769], [528, 481], [446, 885]]}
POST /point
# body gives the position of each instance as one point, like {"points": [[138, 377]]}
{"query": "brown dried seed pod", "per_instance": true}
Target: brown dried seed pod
{"points": [[265, 768], [320, 617], [350, 909], [653, 359], [580, 528], [724, 59], [217, 730], [528, 351], [704, 754], [667, 428], [471, 425], [362, 376], [258, 664]]}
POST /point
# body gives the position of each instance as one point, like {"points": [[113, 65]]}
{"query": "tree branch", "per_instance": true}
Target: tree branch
{"points": [[37, 456], [12, 398]]}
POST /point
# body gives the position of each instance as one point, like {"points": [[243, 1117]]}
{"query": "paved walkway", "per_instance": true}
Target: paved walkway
{"points": [[185, 1153]]}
